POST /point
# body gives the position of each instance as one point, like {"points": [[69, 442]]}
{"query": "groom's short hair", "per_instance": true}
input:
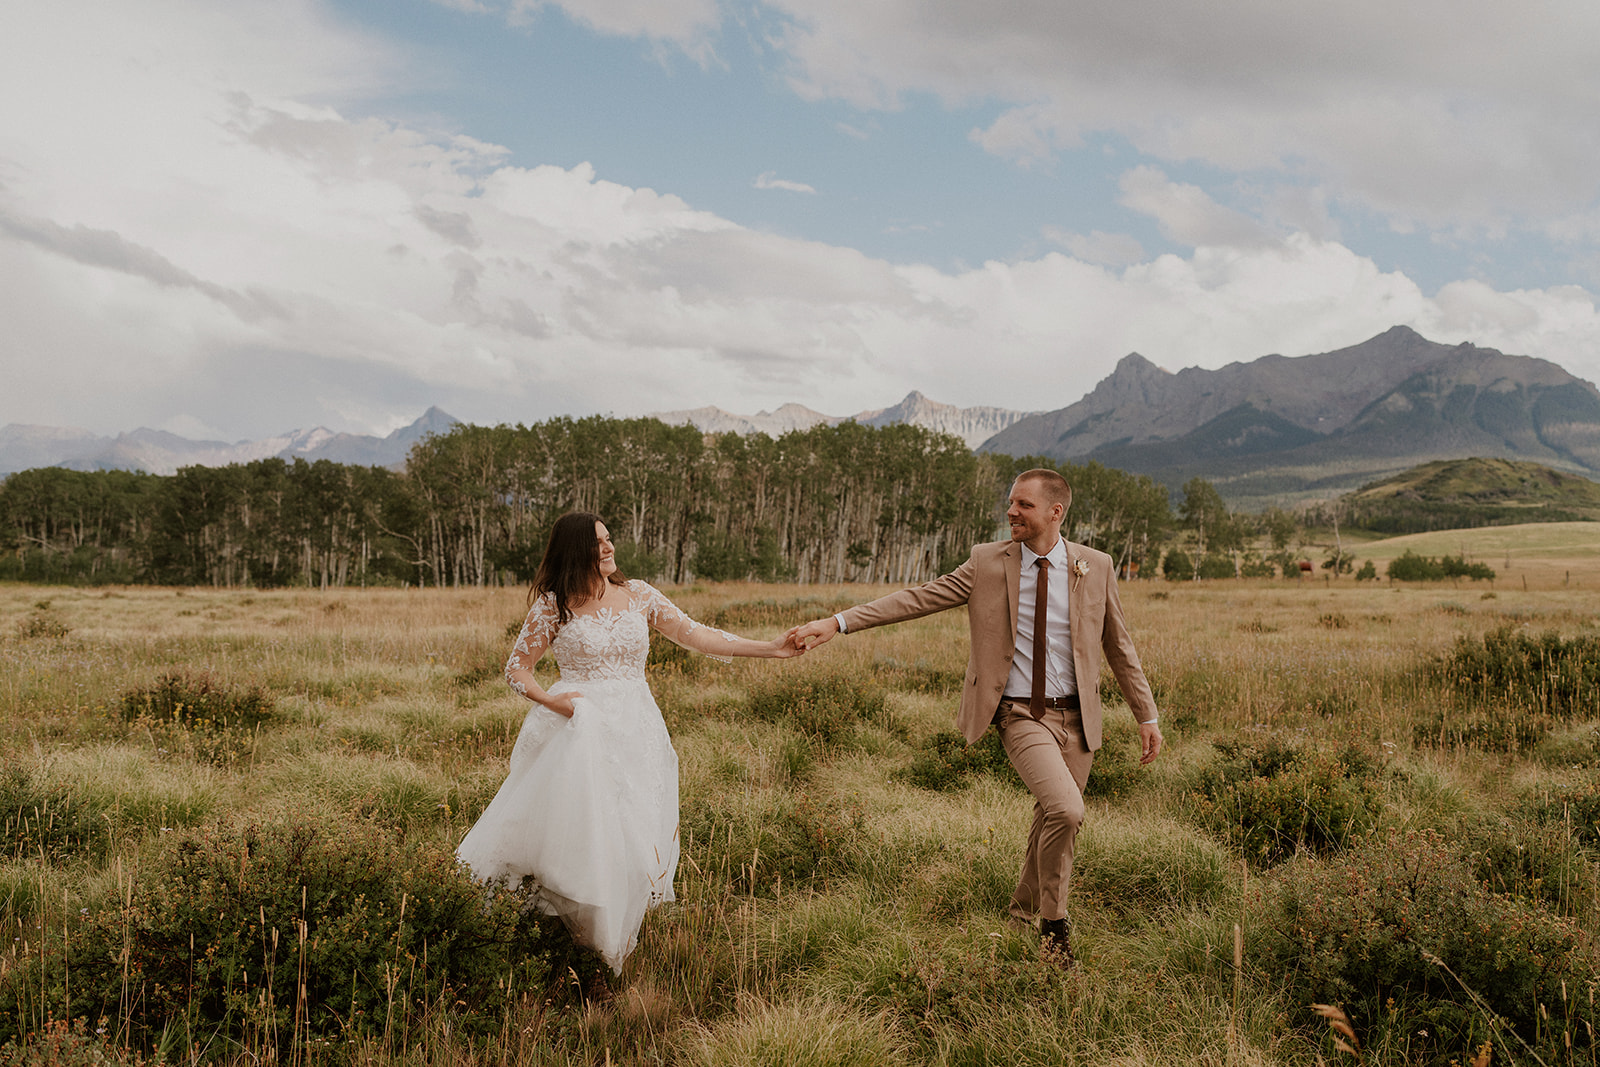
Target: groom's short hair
{"points": [[1055, 487]]}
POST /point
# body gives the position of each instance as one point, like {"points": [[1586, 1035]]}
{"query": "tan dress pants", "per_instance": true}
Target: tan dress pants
{"points": [[1053, 761]]}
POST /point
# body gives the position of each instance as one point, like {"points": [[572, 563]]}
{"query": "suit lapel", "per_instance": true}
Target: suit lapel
{"points": [[1011, 560], [1074, 605]]}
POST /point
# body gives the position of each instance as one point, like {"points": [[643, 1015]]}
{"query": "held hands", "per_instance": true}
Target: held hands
{"points": [[784, 648], [813, 634]]}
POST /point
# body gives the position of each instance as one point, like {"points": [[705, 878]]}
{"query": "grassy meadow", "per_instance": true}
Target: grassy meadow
{"points": [[229, 818]]}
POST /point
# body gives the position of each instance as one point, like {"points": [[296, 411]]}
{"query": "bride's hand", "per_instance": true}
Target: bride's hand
{"points": [[784, 648], [563, 704]]}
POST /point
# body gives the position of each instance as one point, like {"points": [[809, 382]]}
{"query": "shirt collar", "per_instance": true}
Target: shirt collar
{"points": [[1057, 555]]}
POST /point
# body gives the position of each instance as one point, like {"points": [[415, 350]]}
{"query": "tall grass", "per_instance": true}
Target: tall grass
{"points": [[846, 864]]}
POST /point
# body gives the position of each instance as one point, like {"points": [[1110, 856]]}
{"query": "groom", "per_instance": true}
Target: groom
{"points": [[1042, 611]]}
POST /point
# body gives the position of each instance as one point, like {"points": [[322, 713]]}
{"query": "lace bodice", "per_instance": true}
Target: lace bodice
{"points": [[609, 644]]}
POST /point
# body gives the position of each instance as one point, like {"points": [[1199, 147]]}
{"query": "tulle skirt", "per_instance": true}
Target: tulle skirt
{"points": [[589, 810]]}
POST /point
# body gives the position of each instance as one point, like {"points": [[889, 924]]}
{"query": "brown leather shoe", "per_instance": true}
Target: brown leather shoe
{"points": [[1055, 942]]}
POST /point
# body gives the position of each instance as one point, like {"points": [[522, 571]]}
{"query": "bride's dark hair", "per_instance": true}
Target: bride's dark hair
{"points": [[571, 564]]}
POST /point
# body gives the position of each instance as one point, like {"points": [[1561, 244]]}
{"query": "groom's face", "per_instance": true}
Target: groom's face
{"points": [[1034, 517]]}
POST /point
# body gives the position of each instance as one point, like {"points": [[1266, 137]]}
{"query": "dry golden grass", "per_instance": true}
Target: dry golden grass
{"points": [[390, 704]]}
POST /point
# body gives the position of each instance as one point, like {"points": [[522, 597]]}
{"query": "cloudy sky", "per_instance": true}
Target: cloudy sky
{"points": [[234, 219]]}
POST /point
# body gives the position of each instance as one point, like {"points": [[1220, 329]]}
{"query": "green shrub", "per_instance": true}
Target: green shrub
{"points": [[1410, 567], [1216, 566], [192, 713], [947, 762], [1394, 930], [1368, 572], [1515, 671], [1272, 800], [1458, 567], [238, 932], [198, 702], [828, 708]]}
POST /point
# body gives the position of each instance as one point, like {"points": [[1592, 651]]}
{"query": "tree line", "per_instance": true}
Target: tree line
{"points": [[473, 506]]}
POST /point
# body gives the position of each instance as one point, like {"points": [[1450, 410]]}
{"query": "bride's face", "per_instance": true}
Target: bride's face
{"points": [[608, 554]]}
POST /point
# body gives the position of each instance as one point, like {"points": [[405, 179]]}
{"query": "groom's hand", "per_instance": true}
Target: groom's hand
{"points": [[1149, 741], [813, 634]]}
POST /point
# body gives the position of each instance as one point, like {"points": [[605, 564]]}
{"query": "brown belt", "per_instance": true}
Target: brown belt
{"points": [[1066, 703]]}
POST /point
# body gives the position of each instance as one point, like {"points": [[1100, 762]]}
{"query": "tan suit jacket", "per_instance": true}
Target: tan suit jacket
{"points": [[987, 584]]}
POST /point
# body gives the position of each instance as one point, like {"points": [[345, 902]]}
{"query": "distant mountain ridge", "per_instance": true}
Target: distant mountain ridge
{"points": [[159, 452], [1278, 427], [973, 425], [1272, 430]]}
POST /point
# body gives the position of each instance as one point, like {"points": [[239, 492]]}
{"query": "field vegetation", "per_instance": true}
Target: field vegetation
{"points": [[229, 817]]}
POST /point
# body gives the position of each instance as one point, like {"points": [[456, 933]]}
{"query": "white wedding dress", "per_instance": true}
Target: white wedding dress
{"points": [[589, 808]]}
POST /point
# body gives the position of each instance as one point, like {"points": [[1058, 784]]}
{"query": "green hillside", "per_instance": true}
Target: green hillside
{"points": [[1463, 493]]}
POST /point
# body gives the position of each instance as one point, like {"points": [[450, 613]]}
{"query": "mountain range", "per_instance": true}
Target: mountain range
{"points": [[1279, 428], [158, 452], [974, 425], [1272, 430]]}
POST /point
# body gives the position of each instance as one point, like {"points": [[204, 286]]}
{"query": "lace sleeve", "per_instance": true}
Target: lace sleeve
{"points": [[667, 617], [538, 630]]}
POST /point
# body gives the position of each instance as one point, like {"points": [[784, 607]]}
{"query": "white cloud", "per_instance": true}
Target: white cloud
{"points": [[1186, 214], [1113, 250], [212, 240], [1464, 115], [769, 180], [688, 24]]}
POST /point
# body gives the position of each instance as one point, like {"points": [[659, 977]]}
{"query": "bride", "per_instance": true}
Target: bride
{"points": [[589, 809]]}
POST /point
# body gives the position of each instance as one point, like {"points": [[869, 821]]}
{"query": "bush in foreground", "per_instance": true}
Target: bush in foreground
{"points": [[1518, 672], [194, 713], [1272, 800], [266, 931], [1399, 931]]}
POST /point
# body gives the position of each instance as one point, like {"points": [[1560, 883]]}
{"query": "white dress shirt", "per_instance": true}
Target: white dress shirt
{"points": [[1060, 677]]}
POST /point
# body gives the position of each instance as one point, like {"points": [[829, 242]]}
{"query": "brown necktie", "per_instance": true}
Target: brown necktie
{"points": [[1041, 609]]}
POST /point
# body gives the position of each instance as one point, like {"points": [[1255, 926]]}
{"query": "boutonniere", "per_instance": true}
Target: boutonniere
{"points": [[1080, 567]]}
